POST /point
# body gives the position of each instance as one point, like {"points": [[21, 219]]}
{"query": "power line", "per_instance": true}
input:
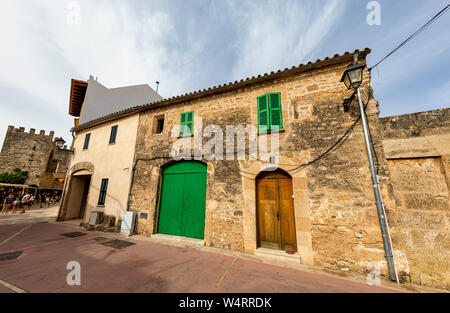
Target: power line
{"points": [[240, 172], [333, 147], [434, 18]]}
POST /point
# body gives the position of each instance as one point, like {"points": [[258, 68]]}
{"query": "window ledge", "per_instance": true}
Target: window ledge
{"points": [[187, 136], [271, 131], [100, 205]]}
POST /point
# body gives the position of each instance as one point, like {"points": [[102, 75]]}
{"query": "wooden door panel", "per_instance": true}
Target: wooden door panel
{"points": [[275, 211], [193, 214], [268, 224], [171, 205], [288, 238], [183, 200]]}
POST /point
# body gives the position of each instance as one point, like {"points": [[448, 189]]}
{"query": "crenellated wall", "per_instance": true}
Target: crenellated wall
{"points": [[36, 153]]}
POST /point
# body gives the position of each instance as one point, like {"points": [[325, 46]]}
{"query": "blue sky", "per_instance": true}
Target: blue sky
{"points": [[192, 44]]}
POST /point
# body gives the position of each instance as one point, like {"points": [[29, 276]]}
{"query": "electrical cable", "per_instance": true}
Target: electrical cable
{"points": [[336, 145], [434, 18]]}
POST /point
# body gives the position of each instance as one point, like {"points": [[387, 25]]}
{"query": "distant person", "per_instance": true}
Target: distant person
{"points": [[54, 198], [7, 203], [25, 200], [47, 199], [16, 204], [39, 199]]}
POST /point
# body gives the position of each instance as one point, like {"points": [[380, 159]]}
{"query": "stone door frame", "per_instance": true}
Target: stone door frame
{"points": [[301, 207], [81, 166]]}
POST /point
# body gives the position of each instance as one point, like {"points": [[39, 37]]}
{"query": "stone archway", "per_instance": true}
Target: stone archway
{"points": [[300, 200], [183, 199], [76, 191], [275, 211]]}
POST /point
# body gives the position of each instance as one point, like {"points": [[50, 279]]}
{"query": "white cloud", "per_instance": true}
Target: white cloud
{"points": [[114, 41], [274, 35]]}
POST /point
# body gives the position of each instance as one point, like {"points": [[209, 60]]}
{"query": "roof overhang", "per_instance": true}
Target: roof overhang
{"points": [[77, 93], [243, 83]]}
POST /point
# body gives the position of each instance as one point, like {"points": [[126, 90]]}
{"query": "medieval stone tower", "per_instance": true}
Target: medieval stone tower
{"points": [[35, 153]]}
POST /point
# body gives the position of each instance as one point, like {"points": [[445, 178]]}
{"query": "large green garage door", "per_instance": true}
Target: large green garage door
{"points": [[182, 211]]}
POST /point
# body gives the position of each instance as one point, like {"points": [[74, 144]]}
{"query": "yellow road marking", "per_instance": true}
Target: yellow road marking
{"points": [[12, 287]]}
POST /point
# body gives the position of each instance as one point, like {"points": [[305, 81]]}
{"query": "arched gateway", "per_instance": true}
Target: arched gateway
{"points": [[183, 200]]}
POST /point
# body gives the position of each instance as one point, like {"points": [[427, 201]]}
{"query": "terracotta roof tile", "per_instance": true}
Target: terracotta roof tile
{"points": [[210, 90]]}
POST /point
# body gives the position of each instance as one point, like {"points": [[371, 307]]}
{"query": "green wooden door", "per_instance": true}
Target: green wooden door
{"points": [[183, 198]]}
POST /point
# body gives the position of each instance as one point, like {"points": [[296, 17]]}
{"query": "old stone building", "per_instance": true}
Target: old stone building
{"points": [[311, 200], [39, 154]]}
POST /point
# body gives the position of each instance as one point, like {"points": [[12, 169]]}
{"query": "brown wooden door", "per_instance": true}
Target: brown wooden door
{"points": [[275, 216]]}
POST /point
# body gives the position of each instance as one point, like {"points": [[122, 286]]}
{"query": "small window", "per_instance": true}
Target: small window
{"points": [[113, 135], [160, 125], [103, 188], [86, 141], [269, 112], [186, 123]]}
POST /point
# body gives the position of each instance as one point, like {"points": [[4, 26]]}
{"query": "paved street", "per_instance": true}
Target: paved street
{"points": [[34, 214], [143, 267]]}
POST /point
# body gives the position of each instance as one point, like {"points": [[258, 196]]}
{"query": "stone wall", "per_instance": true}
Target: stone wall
{"points": [[416, 124], [335, 214], [35, 153], [416, 147], [336, 221]]}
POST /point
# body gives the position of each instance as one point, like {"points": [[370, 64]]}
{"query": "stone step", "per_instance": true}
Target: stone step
{"points": [[277, 255], [183, 240]]}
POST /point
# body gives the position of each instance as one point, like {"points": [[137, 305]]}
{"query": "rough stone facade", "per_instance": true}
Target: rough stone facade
{"points": [[35, 153], [336, 221], [335, 214], [417, 147]]}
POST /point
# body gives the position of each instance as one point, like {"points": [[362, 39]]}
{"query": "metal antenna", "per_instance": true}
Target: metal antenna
{"points": [[157, 86]]}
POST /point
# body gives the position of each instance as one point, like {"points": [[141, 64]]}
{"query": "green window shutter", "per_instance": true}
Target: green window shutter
{"points": [[186, 120], [182, 123], [263, 113], [276, 120], [190, 122]]}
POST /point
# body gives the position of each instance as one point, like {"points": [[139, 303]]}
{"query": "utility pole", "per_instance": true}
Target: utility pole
{"points": [[352, 78]]}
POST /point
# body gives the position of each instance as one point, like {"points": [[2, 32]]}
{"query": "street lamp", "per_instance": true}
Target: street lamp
{"points": [[59, 142], [352, 78]]}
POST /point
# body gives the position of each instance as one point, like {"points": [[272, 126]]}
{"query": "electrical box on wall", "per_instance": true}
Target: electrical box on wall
{"points": [[128, 223], [95, 218]]}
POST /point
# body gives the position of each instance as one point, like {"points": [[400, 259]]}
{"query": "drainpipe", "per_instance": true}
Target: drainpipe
{"points": [[131, 184]]}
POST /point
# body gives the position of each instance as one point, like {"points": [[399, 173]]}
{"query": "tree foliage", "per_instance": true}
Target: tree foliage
{"points": [[16, 176]]}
